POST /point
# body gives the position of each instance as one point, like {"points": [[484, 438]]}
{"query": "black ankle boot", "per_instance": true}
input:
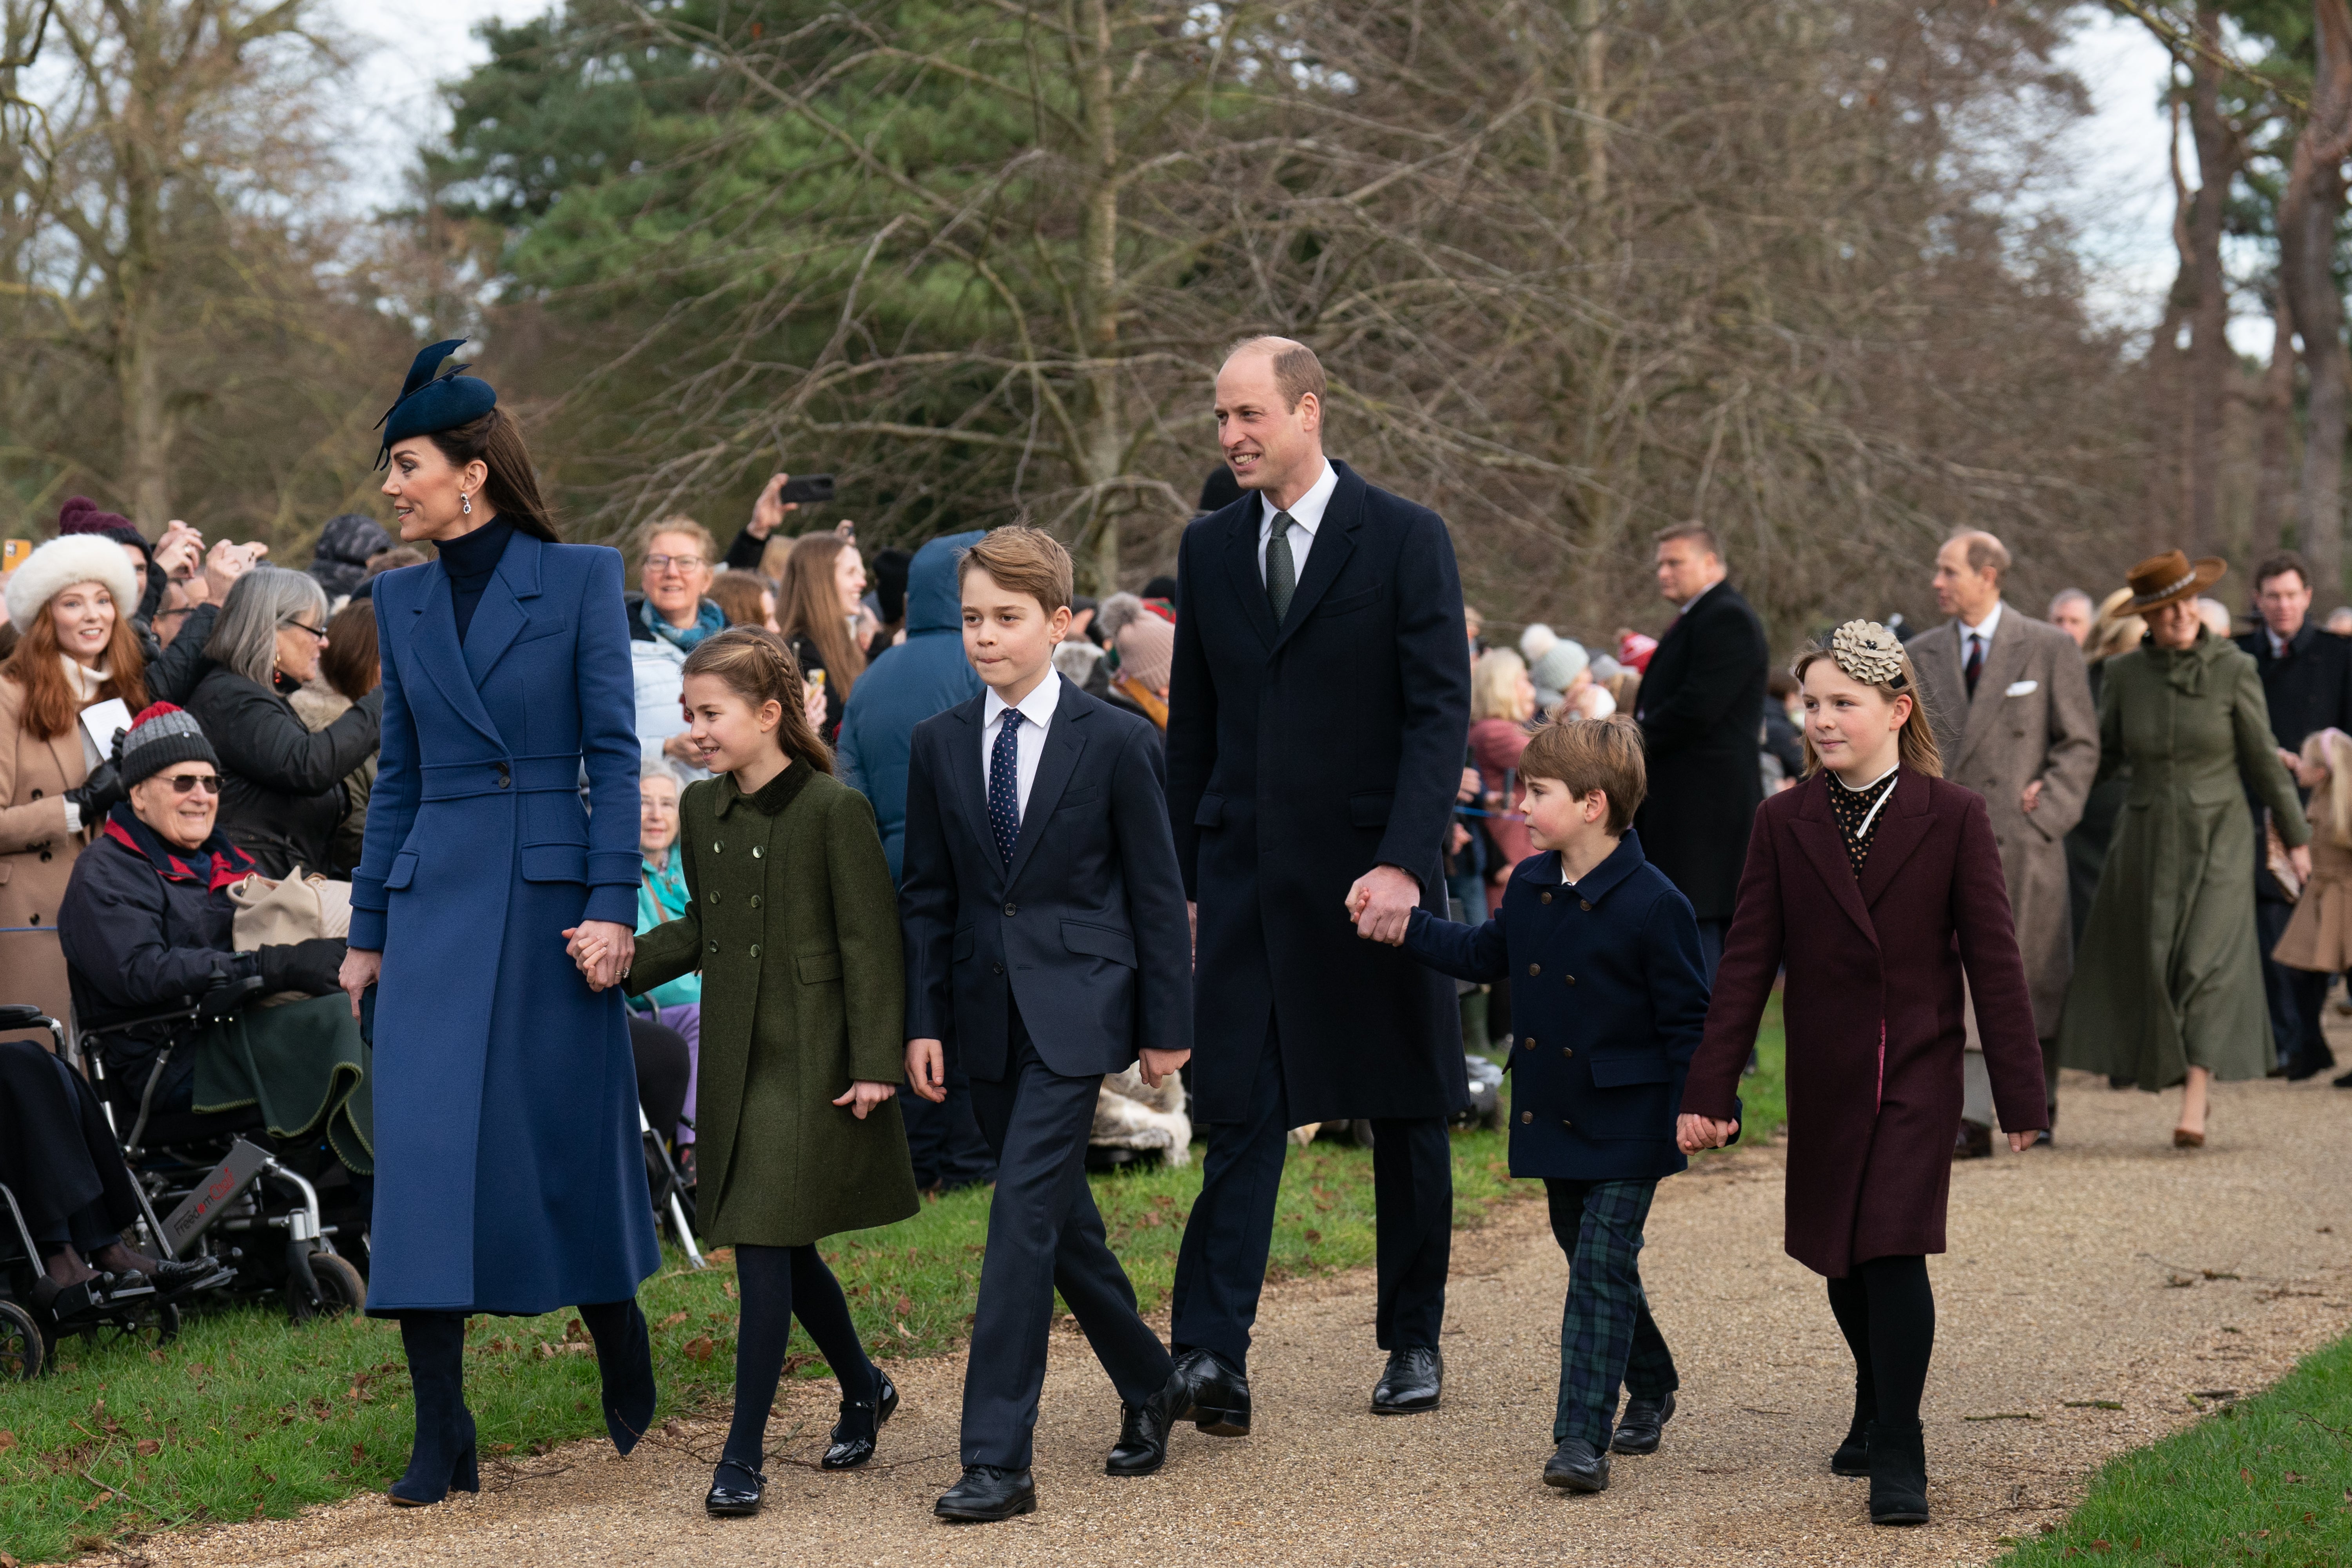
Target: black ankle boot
{"points": [[442, 1460], [1898, 1474], [624, 1357], [1853, 1457]]}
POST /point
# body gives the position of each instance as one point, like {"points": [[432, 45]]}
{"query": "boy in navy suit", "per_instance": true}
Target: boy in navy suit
{"points": [[1047, 943], [1608, 997]]}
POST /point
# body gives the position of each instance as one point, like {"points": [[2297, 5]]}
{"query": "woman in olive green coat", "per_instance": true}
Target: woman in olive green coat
{"points": [[793, 918], [2167, 985]]}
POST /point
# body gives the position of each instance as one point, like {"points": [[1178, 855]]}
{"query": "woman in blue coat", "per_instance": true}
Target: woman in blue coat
{"points": [[510, 1178]]}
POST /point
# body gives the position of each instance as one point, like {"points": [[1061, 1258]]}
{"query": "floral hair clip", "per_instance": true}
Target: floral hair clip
{"points": [[1869, 653]]}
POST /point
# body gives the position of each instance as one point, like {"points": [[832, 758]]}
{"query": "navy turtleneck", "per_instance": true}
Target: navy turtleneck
{"points": [[472, 559]]}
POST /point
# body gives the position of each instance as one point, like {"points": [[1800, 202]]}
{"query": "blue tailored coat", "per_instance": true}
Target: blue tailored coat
{"points": [[1609, 999], [1084, 930], [510, 1178]]}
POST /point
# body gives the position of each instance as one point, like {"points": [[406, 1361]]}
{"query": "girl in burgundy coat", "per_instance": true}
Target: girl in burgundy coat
{"points": [[1874, 883]]}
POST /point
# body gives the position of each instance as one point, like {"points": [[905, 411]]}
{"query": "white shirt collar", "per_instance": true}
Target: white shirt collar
{"points": [[2279, 644], [1307, 514], [1984, 629], [1037, 707], [1684, 607]]}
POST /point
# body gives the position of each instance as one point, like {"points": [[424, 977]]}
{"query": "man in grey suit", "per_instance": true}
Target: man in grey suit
{"points": [[2009, 701]]}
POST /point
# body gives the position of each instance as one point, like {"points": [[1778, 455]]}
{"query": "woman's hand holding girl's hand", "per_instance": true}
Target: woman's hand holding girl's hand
{"points": [[927, 1069], [361, 969], [1693, 1132], [865, 1094], [2300, 858], [604, 950]]}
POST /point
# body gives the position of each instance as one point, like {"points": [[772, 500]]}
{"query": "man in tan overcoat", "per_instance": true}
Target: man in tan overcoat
{"points": [[2009, 699]]}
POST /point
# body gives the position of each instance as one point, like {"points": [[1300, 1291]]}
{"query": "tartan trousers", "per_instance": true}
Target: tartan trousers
{"points": [[1606, 1334]]}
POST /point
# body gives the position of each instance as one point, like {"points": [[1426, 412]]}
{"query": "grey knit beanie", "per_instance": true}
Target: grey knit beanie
{"points": [[162, 735]]}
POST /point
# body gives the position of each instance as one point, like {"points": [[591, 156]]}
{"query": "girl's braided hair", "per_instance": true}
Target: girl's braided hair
{"points": [[757, 665]]}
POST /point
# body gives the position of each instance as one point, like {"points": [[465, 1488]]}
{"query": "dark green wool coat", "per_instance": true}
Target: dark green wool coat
{"points": [[794, 921]]}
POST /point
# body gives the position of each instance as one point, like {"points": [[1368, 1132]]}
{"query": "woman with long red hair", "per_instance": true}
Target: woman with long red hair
{"points": [[71, 603]]}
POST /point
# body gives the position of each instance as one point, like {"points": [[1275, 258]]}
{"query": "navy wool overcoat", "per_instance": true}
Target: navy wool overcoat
{"points": [[508, 1174]]}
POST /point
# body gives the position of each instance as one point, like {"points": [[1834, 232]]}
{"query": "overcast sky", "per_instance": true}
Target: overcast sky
{"points": [[2121, 195]]}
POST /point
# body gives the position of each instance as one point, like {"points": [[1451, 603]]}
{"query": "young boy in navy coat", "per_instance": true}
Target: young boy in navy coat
{"points": [[1609, 999], [1047, 944]]}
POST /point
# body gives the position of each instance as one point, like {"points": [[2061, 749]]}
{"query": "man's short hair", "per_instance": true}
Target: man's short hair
{"points": [[1698, 532], [642, 541], [1586, 754], [1026, 560], [2279, 565], [1985, 553], [1297, 371], [2072, 596]]}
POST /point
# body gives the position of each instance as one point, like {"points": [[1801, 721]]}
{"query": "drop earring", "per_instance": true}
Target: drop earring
{"points": [[466, 501]]}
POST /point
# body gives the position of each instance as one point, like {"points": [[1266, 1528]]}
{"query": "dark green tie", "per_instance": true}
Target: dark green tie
{"points": [[1281, 574]]}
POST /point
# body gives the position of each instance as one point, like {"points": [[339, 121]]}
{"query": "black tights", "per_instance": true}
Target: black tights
{"points": [[1887, 1312], [779, 1282]]}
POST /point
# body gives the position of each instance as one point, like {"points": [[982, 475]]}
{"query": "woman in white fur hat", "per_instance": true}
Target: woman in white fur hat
{"points": [[71, 603]]}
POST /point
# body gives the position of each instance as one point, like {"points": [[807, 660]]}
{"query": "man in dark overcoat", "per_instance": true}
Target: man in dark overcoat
{"points": [[1319, 707], [1701, 705], [2307, 681]]}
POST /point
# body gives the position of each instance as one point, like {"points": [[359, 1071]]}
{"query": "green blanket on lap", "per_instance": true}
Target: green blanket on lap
{"points": [[304, 1065]]}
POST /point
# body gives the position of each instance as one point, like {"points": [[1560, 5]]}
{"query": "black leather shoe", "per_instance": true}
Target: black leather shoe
{"points": [[2345, 1081], [1851, 1458], [1643, 1423], [735, 1490], [1414, 1379], [1143, 1445], [1974, 1143], [987, 1494], [1574, 1467], [1898, 1475], [861, 1421], [1211, 1396]]}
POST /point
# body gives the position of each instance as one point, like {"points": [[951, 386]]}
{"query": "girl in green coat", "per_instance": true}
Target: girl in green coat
{"points": [[792, 919], [2168, 984]]}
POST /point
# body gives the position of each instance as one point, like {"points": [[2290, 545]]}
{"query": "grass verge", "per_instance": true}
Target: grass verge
{"points": [[2266, 1480]]}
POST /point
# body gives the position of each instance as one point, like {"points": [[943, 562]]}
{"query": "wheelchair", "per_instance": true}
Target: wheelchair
{"points": [[269, 1210], [36, 1315]]}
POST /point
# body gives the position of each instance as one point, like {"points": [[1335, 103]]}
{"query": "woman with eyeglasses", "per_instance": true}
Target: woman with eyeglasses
{"points": [[71, 602], [283, 789]]}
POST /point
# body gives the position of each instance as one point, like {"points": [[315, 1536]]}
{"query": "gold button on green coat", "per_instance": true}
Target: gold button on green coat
{"points": [[780, 1164]]}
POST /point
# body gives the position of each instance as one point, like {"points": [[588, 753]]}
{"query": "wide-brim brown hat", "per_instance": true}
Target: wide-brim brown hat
{"points": [[2168, 578]]}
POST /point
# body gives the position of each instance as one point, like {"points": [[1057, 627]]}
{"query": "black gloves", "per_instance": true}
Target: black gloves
{"points": [[99, 795], [314, 967]]}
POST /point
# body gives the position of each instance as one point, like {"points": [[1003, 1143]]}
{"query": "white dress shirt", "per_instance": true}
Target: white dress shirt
{"points": [[1305, 517], [1982, 631], [1037, 709], [1684, 607]]}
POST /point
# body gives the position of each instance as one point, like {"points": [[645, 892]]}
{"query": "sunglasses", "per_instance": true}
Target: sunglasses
{"points": [[183, 782]]}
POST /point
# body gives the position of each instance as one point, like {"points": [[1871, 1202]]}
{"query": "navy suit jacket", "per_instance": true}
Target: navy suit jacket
{"points": [[1609, 999], [1085, 930]]}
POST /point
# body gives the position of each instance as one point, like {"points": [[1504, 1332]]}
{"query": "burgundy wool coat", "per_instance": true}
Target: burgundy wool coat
{"points": [[1873, 1010]]}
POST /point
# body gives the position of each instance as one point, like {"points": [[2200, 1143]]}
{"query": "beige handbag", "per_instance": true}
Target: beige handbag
{"points": [[272, 914]]}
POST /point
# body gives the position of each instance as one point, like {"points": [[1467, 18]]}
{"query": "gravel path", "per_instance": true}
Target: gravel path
{"points": [[2112, 1268]]}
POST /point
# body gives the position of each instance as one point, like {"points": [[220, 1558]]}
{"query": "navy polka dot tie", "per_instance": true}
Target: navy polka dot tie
{"points": [[1005, 785]]}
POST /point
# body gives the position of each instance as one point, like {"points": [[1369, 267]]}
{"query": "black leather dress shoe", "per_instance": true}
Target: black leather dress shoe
{"points": [[861, 1420], [1575, 1466], [1643, 1423], [1211, 1396], [1974, 1143], [735, 1490], [987, 1494], [1143, 1445], [1414, 1379]]}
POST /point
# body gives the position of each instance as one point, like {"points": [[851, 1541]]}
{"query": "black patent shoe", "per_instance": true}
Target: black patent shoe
{"points": [[987, 1494], [1643, 1424], [861, 1420], [1211, 1396], [1413, 1381], [1898, 1474], [1143, 1445], [735, 1491], [1576, 1467]]}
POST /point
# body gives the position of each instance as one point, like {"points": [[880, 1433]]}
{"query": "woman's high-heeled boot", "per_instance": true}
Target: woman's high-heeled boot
{"points": [[625, 1356], [441, 1460]]}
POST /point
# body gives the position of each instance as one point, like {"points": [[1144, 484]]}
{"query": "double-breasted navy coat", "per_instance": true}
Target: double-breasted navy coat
{"points": [[510, 1178], [1609, 1000]]}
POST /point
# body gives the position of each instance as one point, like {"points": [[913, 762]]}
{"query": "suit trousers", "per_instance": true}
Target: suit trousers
{"points": [[1607, 1337], [1044, 1234], [1220, 1266]]}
